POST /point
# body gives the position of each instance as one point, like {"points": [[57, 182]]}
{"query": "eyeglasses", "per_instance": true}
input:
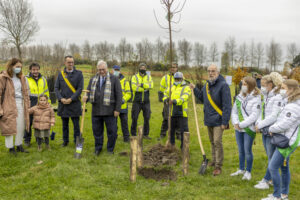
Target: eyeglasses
{"points": [[101, 69], [211, 71]]}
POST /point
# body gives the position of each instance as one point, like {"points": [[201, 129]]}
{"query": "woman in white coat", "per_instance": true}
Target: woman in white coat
{"points": [[271, 106], [245, 112], [287, 124]]}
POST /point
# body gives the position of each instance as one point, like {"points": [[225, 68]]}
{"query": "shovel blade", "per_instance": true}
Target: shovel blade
{"points": [[79, 146], [203, 166]]}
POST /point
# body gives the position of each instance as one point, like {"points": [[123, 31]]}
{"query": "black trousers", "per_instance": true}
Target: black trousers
{"points": [[180, 123], [136, 109], [27, 135], [164, 125], [65, 122], [98, 129], [124, 125]]}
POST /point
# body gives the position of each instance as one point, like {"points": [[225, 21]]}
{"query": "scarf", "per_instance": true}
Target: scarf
{"points": [[107, 90]]}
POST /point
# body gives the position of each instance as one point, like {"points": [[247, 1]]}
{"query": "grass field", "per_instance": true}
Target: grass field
{"points": [[60, 176]]}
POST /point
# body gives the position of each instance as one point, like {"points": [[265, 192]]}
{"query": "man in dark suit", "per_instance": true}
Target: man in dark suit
{"points": [[106, 98]]}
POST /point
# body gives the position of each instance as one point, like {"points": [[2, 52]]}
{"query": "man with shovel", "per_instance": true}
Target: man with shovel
{"points": [[216, 97], [106, 98]]}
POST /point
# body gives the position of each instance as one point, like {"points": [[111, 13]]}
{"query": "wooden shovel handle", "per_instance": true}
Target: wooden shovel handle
{"points": [[197, 125], [83, 111]]}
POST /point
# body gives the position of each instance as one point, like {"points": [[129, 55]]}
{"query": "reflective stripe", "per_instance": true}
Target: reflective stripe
{"points": [[137, 80], [182, 91], [163, 86], [44, 82], [127, 90], [182, 99], [166, 80], [185, 93]]}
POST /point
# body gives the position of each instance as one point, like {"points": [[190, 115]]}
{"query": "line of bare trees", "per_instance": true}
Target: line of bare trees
{"points": [[186, 53]]}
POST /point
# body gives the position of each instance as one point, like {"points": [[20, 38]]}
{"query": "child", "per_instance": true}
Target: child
{"points": [[43, 119]]}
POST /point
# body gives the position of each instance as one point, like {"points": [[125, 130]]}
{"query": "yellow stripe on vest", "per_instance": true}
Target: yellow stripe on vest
{"points": [[68, 82], [212, 103]]}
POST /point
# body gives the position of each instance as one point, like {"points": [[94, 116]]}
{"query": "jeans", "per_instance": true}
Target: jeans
{"points": [[98, 129], [269, 148], [280, 186], [65, 122], [245, 143]]}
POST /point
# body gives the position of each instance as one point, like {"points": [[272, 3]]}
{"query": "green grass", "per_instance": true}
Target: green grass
{"points": [[60, 176]]}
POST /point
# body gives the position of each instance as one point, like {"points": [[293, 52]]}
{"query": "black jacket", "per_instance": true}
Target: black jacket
{"points": [[98, 109], [63, 91], [220, 94]]}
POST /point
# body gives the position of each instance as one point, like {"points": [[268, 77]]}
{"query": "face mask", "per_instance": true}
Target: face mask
{"points": [[244, 89], [177, 82], [264, 90], [116, 73], [142, 71], [17, 70], [283, 93]]}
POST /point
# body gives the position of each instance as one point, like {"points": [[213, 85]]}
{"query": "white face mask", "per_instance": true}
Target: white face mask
{"points": [[244, 89], [283, 93], [264, 90]]}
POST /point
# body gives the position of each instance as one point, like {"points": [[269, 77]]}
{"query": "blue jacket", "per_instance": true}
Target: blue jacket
{"points": [[63, 91], [220, 94]]}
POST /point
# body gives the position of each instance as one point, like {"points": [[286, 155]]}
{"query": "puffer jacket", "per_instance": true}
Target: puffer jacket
{"points": [[272, 107], [288, 122], [250, 106], [43, 116]]}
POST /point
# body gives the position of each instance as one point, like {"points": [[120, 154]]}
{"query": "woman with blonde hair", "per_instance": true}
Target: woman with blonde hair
{"points": [[285, 134], [271, 106], [14, 105], [245, 112]]}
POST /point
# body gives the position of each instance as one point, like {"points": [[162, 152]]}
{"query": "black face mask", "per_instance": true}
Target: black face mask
{"points": [[143, 71]]}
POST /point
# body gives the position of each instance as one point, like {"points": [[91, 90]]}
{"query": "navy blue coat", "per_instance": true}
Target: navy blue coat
{"points": [[220, 94], [63, 91]]}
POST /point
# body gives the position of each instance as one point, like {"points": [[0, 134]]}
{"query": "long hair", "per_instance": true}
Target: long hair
{"points": [[293, 84], [276, 79], [251, 85], [9, 67]]}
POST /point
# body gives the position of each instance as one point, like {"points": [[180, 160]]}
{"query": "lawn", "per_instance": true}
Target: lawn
{"points": [[57, 175]]}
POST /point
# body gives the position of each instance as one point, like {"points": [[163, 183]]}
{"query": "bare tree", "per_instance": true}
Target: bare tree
{"points": [[292, 51], [230, 48], [243, 54], [159, 50], [17, 22], [172, 11], [252, 53], [200, 53], [259, 53], [59, 51], [274, 54], [87, 50], [102, 50], [122, 50], [185, 51], [74, 49], [213, 52]]}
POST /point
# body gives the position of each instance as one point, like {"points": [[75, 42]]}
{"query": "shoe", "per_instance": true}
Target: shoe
{"points": [[238, 172], [147, 137], [39, 148], [21, 149], [12, 151], [97, 152], [270, 182], [262, 185], [110, 152], [27, 144], [178, 136], [64, 144], [271, 197], [284, 197], [247, 176], [217, 171]]}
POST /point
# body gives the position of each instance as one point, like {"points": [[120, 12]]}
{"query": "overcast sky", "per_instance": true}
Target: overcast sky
{"points": [[203, 21]]}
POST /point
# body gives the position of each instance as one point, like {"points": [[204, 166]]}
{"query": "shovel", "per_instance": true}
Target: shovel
{"points": [[205, 160], [80, 139]]}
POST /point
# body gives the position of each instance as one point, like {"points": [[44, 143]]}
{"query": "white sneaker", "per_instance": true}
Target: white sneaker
{"points": [[271, 197], [238, 172], [247, 176], [284, 197], [262, 185]]}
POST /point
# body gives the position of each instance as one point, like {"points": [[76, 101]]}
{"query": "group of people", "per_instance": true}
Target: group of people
{"points": [[272, 111]]}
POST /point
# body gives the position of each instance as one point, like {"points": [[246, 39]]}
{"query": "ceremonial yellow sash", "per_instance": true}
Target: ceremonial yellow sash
{"points": [[212, 103]]}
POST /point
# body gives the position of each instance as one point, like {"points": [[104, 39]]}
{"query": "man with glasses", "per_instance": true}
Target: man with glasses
{"points": [[106, 99], [217, 109], [68, 88], [164, 84]]}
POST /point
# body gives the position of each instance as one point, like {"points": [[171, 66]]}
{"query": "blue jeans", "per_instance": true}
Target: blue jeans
{"points": [[269, 148], [280, 186], [245, 143]]}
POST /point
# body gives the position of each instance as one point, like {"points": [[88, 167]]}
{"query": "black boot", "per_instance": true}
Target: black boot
{"points": [[21, 149], [12, 151]]}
